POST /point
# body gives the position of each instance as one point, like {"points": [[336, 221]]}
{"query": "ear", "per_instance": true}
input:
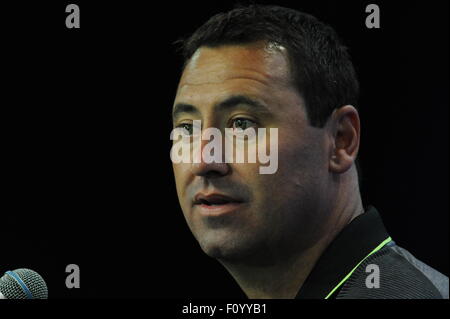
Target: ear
{"points": [[345, 132]]}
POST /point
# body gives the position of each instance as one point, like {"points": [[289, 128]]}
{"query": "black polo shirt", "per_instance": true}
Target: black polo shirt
{"points": [[364, 262]]}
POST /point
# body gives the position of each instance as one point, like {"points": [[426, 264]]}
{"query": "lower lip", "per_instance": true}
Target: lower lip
{"points": [[218, 210]]}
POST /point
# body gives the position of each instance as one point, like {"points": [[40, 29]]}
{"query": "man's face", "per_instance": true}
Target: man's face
{"points": [[254, 214]]}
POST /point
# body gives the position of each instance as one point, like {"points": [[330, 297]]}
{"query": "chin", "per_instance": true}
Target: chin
{"points": [[216, 249], [226, 248], [215, 252]]}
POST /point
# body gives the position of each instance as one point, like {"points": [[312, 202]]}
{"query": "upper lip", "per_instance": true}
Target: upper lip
{"points": [[215, 198]]}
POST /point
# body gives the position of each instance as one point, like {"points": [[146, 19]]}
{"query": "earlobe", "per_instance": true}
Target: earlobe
{"points": [[341, 162], [346, 137]]}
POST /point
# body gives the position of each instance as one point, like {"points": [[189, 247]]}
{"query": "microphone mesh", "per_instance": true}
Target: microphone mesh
{"points": [[11, 289]]}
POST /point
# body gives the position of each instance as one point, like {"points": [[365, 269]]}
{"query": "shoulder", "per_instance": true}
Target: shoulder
{"points": [[393, 273]]}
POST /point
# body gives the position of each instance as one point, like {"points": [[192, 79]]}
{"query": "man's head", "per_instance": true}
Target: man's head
{"points": [[267, 67]]}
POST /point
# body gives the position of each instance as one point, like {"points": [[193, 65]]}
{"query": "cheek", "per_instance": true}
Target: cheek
{"points": [[180, 172], [301, 161]]}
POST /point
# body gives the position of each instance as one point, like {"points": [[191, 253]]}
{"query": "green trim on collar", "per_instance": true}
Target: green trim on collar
{"points": [[387, 240]]}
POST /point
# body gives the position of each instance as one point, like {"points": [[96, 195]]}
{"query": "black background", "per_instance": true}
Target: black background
{"points": [[87, 177]]}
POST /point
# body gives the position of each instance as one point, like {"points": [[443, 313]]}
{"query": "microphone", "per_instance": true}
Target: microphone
{"points": [[22, 284]]}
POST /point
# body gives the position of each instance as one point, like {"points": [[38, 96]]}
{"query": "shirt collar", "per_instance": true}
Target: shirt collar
{"points": [[351, 245]]}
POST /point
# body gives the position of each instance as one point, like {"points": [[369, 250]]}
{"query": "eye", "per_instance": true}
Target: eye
{"points": [[243, 123], [188, 128]]}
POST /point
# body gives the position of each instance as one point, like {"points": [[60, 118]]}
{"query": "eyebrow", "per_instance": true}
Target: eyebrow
{"points": [[230, 103], [180, 108]]}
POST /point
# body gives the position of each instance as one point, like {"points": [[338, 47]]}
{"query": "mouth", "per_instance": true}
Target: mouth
{"points": [[216, 204]]}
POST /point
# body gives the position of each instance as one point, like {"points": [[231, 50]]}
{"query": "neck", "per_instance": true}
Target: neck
{"points": [[283, 278], [279, 280]]}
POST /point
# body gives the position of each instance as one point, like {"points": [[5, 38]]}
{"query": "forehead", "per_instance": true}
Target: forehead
{"points": [[257, 66]]}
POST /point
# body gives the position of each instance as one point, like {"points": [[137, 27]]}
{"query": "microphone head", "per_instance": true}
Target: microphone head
{"points": [[23, 284]]}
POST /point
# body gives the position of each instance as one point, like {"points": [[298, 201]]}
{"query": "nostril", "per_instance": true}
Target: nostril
{"points": [[210, 170]]}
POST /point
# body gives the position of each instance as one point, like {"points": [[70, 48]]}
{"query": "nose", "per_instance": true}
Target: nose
{"points": [[213, 169], [210, 170]]}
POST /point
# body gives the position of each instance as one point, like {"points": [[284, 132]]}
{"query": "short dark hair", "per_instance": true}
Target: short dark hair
{"points": [[320, 65]]}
